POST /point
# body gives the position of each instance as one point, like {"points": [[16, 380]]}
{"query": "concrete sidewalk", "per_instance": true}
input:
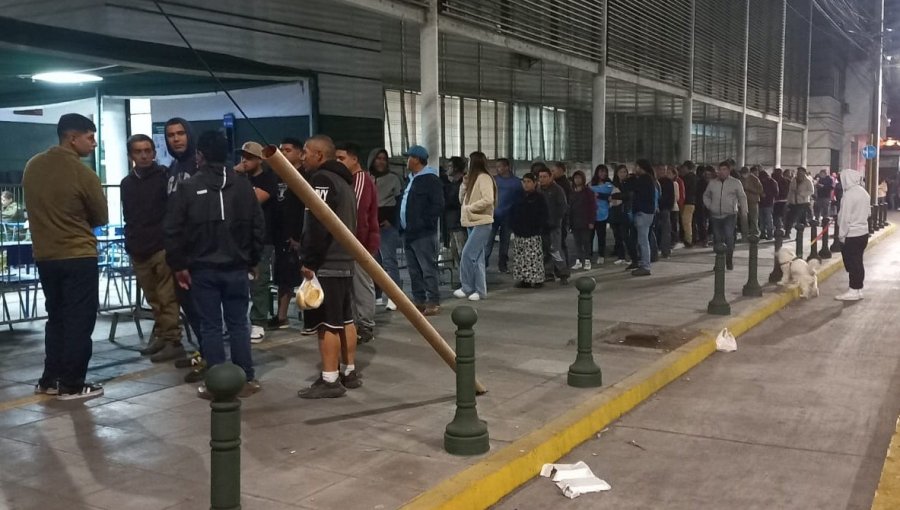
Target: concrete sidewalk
{"points": [[146, 440], [799, 417]]}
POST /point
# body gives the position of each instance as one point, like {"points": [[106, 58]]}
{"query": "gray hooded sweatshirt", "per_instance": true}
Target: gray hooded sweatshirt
{"points": [[853, 217]]}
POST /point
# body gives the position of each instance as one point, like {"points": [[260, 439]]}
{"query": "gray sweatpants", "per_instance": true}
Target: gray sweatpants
{"points": [[363, 299]]}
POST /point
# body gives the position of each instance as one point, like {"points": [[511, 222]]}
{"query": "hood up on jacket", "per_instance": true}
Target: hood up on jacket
{"points": [[850, 179], [338, 168], [190, 150], [370, 162]]}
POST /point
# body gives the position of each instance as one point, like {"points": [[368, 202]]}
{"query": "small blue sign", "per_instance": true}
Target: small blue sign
{"points": [[869, 152], [229, 120]]}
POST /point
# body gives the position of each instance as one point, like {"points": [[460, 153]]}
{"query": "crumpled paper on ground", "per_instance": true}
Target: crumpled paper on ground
{"points": [[574, 479]]}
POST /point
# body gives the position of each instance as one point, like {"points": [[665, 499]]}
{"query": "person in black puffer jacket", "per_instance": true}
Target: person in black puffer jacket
{"points": [[528, 219]]}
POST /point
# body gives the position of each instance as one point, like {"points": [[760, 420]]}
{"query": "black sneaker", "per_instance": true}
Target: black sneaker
{"points": [[632, 266], [352, 380], [537, 285], [250, 388], [196, 375], [87, 391], [364, 336], [322, 389], [640, 272], [276, 323], [563, 281], [40, 389], [522, 285]]}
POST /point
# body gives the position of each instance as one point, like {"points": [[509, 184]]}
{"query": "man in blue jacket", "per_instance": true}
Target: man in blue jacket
{"points": [[422, 205], [509, 191]]}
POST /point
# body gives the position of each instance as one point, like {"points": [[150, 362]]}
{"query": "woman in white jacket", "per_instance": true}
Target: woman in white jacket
{"points": [[853, 224], [478, 196]]}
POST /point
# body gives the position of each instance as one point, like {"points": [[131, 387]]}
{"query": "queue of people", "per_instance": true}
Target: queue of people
{"points": [[208, 242]]}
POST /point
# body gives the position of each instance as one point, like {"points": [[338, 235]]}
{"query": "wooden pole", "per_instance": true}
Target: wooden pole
{"points": [[348, 240]]}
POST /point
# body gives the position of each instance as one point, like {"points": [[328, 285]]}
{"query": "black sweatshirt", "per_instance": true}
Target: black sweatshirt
{"points": [[318, 249], [144, 197], [214, 222], [529, 215]]}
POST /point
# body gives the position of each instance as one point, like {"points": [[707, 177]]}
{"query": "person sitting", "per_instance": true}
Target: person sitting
{"points": [[9, 213]]}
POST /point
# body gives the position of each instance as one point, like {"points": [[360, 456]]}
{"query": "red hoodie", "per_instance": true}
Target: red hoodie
{"points": [[368, 232]]}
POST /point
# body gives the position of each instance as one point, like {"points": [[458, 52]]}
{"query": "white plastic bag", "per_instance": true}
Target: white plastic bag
{"points": [[310, 294], [726, 342]]}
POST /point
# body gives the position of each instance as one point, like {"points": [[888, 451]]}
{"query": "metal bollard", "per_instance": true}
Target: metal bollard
{"points": [[798, 249], [719, 305], [224, 382], [813, 239], [776, 273], [872, 220], [836, 245], [825, 253], [752, 288], [466, 434], [584, 373]]}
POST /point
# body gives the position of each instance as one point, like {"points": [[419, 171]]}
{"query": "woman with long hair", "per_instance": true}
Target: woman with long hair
{"points": [[603, 189], [582, 215], [478, 196]]}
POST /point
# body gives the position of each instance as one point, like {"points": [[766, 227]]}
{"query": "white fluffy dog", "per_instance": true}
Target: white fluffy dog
{"points": [[798, 272]]}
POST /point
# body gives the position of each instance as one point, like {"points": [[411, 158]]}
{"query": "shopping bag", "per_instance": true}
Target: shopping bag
{"points": [[310, 294], [726, 342]]}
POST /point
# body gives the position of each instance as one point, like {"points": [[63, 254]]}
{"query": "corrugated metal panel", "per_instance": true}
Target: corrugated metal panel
{"points": [[650, 38], [719, 49], [568, 26], [796, 60], [764, 62]]}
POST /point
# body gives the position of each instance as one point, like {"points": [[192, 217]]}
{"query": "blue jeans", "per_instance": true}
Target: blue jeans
{"points": [[502, 227], [390, 241], [766, 221], [723, 233], [471, 268], [642, 223], [219, 295], [421, 261]]}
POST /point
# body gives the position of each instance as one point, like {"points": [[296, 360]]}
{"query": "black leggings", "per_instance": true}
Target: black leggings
{"points": [[852, 253], [600, 234]]}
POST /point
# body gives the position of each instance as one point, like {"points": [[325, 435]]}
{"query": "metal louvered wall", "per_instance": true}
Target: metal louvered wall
{"points": [[764, 55], [651, 38], [567, 26], [719, 49], [796, 60]]}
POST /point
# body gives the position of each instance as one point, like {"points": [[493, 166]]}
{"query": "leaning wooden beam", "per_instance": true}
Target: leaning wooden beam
{"points": [[348, 240]]}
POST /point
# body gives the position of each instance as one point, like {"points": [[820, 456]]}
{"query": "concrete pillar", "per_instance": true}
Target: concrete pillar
{"points": [[779, 129], [741, 156], [687, 125], [598, 124], [430, 114], [779, 135], [804, 148]]}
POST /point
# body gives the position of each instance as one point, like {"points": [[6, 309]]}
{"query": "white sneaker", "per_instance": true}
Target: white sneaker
{"points": [[850, 295], [619, 262], [577, 266], [587, 265], [475, 297], [390, 305], [379, 301], [678, 246], [257, 334], [458, 293], [600, 261]]}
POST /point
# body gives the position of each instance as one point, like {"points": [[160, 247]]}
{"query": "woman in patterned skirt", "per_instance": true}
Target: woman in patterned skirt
{"points": [[528, 218]]}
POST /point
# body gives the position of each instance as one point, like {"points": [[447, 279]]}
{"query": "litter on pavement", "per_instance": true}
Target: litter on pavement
{"points": [[574, 479]]}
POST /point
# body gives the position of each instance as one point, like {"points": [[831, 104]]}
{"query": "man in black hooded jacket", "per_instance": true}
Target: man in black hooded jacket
{"points": [[214, 239]]}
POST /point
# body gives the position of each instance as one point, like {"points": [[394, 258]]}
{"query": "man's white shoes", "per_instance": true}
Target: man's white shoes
{"points": [[850, 295]]}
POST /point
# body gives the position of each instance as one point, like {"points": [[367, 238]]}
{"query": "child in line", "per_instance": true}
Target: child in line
{"points": [[582, 214]]}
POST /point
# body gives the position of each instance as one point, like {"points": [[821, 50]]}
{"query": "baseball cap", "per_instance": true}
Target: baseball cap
{"points": [[253, 149], [417, 151]]}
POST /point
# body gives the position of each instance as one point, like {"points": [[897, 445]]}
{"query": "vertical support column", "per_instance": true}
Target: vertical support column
{"points": [[875, 137], [742, 128], [779, 129], [804, 149], [598, 124], [429, 116], [687, 112]]}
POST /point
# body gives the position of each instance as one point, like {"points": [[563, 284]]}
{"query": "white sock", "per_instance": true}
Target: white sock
{"points": [[330, 377], [348, 369]]}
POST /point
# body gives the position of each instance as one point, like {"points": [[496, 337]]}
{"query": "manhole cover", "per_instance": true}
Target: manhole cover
{"points": [[648, 337]]}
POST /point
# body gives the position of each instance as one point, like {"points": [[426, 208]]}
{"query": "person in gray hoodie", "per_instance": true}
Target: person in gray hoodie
{"points": [[724, 198], [853, 223]]}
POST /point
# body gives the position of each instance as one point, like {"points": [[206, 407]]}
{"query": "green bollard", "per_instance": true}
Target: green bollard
{"points": [[776, 273], [719, 305], [584, 373], [825, 252], [224, 382], [752, 288], [466, 434], [836, 245], [798, 250]]}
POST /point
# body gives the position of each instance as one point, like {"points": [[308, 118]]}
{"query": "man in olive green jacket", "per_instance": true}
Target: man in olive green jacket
{"points": [[65, 202]]}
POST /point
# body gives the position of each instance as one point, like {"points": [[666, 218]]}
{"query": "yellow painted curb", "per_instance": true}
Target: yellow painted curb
{"points": [[488, 481], [887, 497]]}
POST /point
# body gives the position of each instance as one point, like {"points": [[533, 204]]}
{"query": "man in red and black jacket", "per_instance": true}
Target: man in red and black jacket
{"points": [[368, 232]]}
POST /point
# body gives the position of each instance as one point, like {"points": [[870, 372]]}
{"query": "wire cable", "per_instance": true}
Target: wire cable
{"points": [[210, 71]]}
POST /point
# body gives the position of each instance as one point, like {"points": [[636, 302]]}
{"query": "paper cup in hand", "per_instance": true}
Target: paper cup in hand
{"points": [[310, 294]]}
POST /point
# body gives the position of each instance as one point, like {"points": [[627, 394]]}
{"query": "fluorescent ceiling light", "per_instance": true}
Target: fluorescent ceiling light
{"points": [[66, 77]]}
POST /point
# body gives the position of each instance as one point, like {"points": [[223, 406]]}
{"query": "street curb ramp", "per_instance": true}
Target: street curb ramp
{"points": [[491, 479]]}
